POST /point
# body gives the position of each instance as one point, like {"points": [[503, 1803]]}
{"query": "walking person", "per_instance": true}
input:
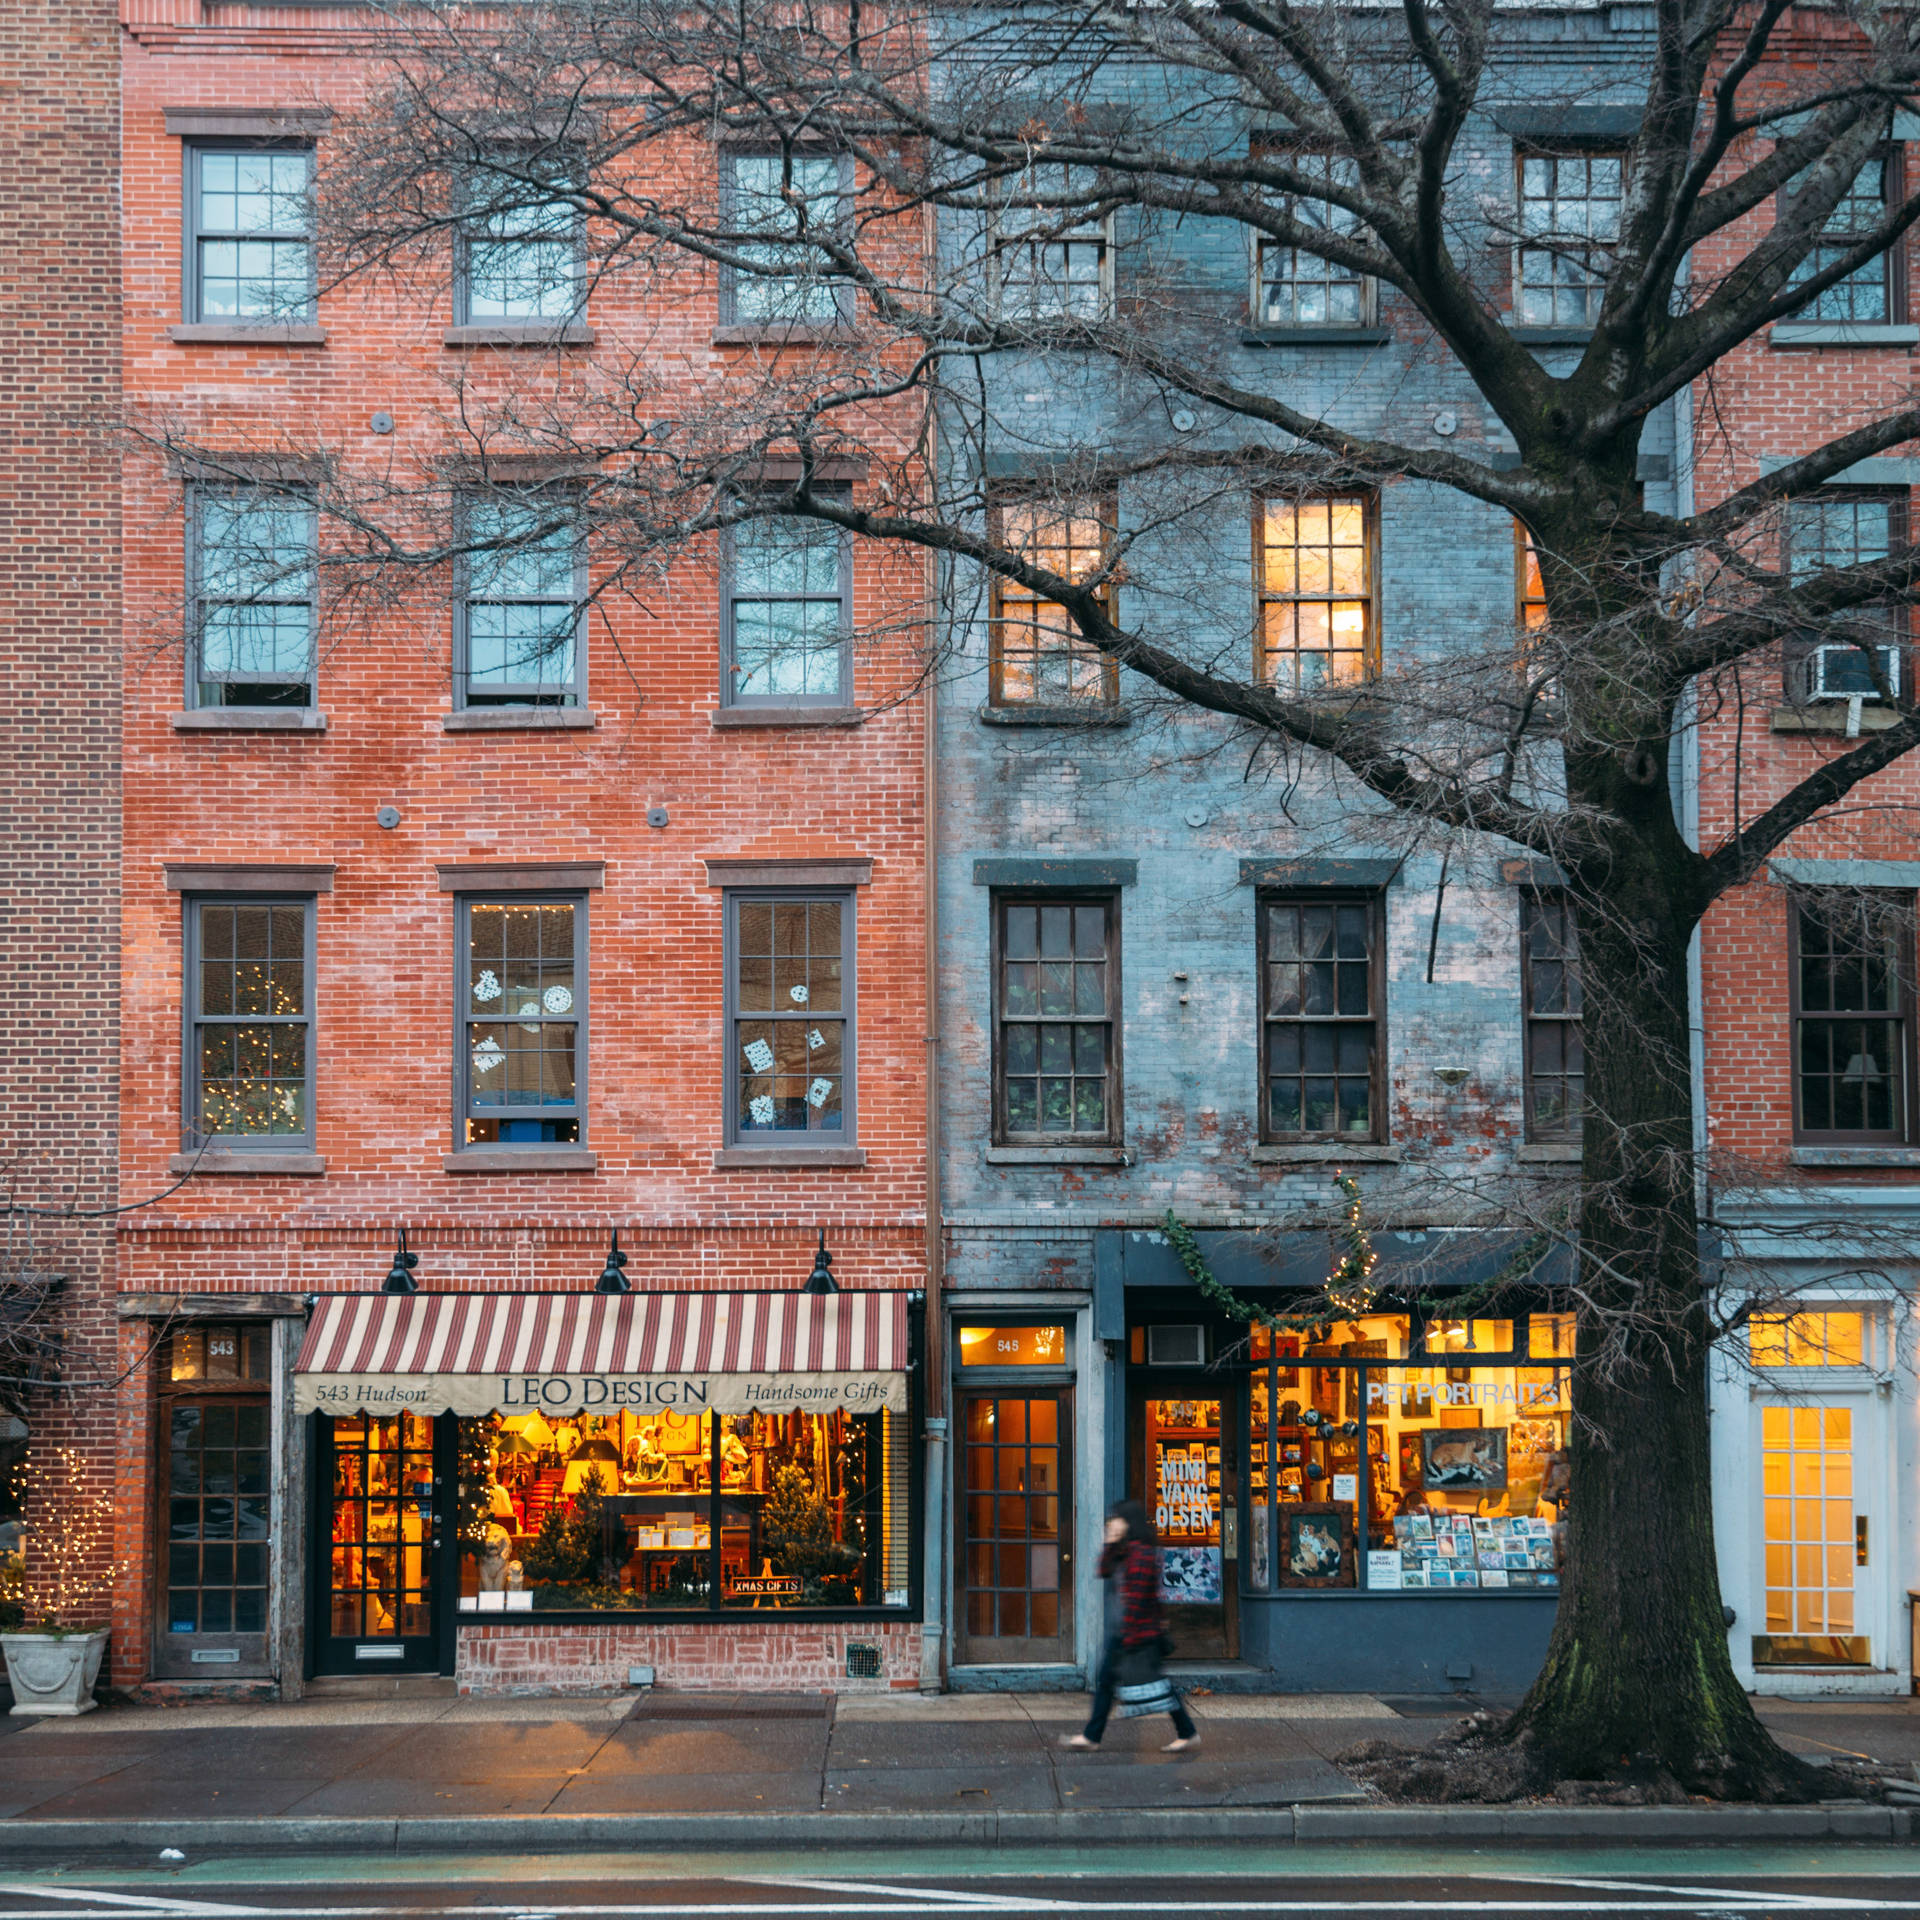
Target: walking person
{"points": [[1131, 1672]]}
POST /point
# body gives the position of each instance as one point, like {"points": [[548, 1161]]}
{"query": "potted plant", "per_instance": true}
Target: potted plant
{"points": [[53, 1659]]}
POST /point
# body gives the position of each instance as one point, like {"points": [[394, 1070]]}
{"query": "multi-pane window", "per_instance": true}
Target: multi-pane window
{"points": [[251, 238], [219, 1515], [1050, 254], [1569, 226], [1302, 289], [1040, 657], [1550, 995], [1867, 296], [522, 978], [1852, 968], [520, 608], [1057, 995], [788, 592], [1320, 1004], [790, 1016], [1316, 592], [250, 1040], [251, 566], [797, 201], [520, 255], [1861, 652]]}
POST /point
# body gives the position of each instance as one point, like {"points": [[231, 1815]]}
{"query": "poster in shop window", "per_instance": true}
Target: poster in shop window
{"points": [[1184, 1516]]}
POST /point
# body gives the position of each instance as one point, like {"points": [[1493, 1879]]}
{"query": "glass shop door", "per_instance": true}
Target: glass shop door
{"points": [[1184, 1461], [387, 1484], [1015, 1521]]}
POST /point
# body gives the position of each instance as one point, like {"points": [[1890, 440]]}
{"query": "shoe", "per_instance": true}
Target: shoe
{"points": [[1181, 1746], [1081, 1744]]}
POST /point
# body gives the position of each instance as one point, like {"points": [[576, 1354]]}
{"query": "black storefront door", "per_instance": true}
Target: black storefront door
{"points": [[385, 1515]]}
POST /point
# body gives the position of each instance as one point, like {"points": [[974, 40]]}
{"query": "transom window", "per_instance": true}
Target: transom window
{"points": [[1051, 256], [520, 254], [790, 1016], [791, 199], [1550, 993], [1057, 1061], [251, 558], [251, 240], [1868, 295], [1569, 225], [520, 611], [1851, 987], [523, 980], [1809, 1337], [788, 595], [1320, 1008], [1302, 289], [250, 1048], [1316, 592], [1040, 657]]}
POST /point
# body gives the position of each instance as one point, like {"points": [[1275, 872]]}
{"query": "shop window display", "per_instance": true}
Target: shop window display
{"points": [[679, 1511]]}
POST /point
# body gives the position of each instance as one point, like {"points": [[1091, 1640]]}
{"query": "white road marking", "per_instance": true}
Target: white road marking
{"points": [[1715, 1894], [955, 1894], [149, 1902]]}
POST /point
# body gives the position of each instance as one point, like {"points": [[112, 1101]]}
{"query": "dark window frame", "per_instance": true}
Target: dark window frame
{"points": [[464, 1020], [1374, 900], [1263, 243], [730, 594], [198, 496], [797, 1140], [1902, 1019], [192, 1135], [192, 292], [1558, 150], [464, 242], [525, 694], [1114, 1020], [1531, 901], [1890, 266], [1044, 231], [1800, 648], [1264, 597], [1105, 507], [729, 279]]}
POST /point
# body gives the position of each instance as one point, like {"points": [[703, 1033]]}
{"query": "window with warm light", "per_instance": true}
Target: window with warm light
{"points": [[1814, 1337], [1013, 1346], [1040, 657], [1316, 592]]}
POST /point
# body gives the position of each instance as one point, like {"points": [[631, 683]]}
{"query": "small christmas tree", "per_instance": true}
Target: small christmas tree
{"points": [[570, 1549], [71, 1571]]}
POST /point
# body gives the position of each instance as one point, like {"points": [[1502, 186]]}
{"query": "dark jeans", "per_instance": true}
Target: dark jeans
{"points": [[1103, 1700]]}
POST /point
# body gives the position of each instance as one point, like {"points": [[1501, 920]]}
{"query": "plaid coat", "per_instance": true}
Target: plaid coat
{"points": [[1137, 1567]]}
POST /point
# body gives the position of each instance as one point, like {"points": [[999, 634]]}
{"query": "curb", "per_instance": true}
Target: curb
{"points": [[1302, 1825]]}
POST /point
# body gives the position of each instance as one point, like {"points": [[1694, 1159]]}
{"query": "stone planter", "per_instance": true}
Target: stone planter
{"points": [[54, 1672]]}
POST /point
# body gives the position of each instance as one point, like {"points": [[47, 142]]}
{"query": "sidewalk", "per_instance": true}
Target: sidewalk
{"points": [[728, 1769]]}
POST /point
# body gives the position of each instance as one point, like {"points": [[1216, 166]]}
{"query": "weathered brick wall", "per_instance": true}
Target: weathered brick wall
{"points": [[60, 682]]}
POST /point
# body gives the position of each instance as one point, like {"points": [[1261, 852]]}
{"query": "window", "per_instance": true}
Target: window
{"points": [[1057, 1037], [519, 618], [1321, 1005], [1809, 1337], [1861, 654], [1871, 295], [1529, 588], [1852, 961], [1050, 258], [1300, 289], [664, 1511], [523, 979], [250, 1038], [1569, 223], [790, 992], [1040, 658], [790, 198], [519, 254], [251, 565], [250, 234], [1316, 592], [1550, 1000], [789, 611]]}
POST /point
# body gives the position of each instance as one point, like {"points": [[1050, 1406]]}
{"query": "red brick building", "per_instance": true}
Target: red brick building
{"points": [[483, 913]]}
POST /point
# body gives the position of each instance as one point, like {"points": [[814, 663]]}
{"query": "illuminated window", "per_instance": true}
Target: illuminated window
{"points": [[1040, 658], [1817, 1338], [1316, 593], [251, 1048], [1530, 592]]}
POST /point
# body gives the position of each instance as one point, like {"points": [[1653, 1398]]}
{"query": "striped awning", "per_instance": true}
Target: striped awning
{"points": [[603, 1353]]}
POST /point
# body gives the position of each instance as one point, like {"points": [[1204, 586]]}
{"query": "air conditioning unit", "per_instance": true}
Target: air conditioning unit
{"points": [[1176, 1346], [1837, 672]]}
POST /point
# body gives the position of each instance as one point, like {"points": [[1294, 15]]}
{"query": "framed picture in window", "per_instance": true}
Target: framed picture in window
{"points": [[1464, 1459], [1316, 1545], [1412, 1459], [1286, 1352]]}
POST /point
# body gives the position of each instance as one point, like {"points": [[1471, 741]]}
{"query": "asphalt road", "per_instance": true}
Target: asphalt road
{"points": [[1409, 1885]]}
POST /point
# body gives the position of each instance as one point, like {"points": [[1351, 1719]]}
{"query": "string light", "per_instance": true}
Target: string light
{"points": [[1350, 1285], [71, 1571]]}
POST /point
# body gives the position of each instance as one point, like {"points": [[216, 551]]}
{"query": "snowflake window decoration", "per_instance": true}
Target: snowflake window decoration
{"points": [[488, 1055], [761, 1107], [815, 1039], [558, 999], [487, 987], [759, 1056], [818, 1093], [798, 995]]}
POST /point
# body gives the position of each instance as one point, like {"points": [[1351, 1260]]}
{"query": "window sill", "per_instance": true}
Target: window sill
{"points": [[783, 333], [1310, 1154], [1058, 1157], [511, 334], [1316, 336], [223, 1165], [518, 719], [1887, 1156], [1840, 333], [773, 1159], [1830, 716], [1552, 336], [251, 720], [207, 333], [1087, 716], [1545, 1153], [724, 718], [522, 1160]]}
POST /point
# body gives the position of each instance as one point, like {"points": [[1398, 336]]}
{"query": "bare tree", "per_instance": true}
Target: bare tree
{"points": [[936, 200]]}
